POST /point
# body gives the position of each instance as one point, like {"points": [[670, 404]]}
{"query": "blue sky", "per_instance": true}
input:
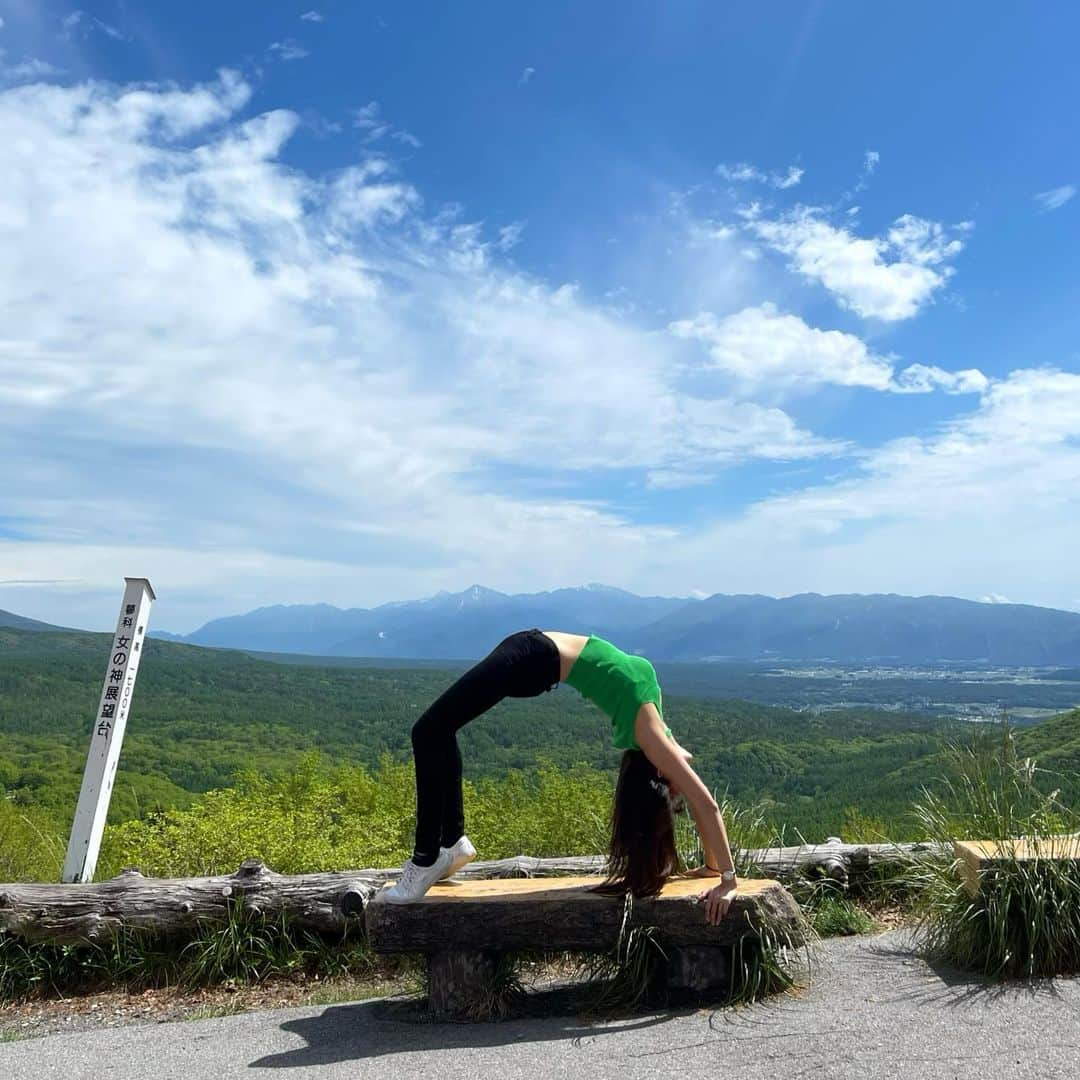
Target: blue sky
{"points": [[356, 302]]}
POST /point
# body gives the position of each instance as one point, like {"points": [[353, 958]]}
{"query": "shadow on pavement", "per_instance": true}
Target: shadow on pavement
{"points": [[380, 1028], [913, 976]]}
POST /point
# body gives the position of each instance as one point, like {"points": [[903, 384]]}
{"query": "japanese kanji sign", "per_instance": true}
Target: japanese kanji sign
{"points": [[107, 734]]}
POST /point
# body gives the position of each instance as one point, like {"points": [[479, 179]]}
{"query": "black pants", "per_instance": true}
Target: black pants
{"points": [[525, 664]]}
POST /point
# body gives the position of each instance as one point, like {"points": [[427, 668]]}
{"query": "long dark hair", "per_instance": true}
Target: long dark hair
{"points": [[642, 854]]}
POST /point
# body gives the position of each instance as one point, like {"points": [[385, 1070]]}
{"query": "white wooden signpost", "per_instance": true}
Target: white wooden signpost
{"points": [[108, 731]]}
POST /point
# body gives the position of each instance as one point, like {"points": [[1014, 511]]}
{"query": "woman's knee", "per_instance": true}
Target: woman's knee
{"points": [[419, 733], [428, 730]]}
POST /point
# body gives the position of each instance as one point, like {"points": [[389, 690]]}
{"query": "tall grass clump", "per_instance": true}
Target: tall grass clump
{"points": [[634, 972], [31, 847], [1024, 921]]}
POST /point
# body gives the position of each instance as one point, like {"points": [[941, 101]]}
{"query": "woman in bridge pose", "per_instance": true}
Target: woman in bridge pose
{"points": [[654, 769]]}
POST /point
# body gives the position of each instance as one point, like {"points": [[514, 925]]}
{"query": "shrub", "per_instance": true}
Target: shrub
{"points": [[1025, 919]]}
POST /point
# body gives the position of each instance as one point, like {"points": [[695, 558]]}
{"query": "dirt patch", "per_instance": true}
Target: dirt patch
{"points": [[112, 1008], [891, 916]]}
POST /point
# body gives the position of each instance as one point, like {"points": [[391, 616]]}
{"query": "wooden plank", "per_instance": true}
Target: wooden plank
{"points": [[530, 889], [562, 914], [977, 856]]}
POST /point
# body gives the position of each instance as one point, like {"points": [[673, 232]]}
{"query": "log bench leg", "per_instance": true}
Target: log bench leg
{"points": [[698, 969], [459, 981]]}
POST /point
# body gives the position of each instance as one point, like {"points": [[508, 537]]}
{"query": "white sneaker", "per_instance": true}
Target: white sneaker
{"points": [[415, 880], [461, 853]]}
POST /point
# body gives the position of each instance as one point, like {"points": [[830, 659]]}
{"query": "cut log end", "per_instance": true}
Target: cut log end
{"points": [[353, 901]]}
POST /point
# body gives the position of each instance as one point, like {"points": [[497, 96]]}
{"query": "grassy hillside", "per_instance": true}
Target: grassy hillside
{"points": [[1055, 745], [200, 717]]}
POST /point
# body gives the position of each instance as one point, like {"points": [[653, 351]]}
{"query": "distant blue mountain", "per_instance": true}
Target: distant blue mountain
{"points": [[444, 626], [885, 628]]}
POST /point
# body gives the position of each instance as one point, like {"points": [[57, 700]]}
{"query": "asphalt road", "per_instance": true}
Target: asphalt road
{"points": [[873, 1010]]}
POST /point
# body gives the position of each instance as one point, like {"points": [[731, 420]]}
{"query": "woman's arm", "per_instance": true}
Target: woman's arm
{"points": [[671, 760]]}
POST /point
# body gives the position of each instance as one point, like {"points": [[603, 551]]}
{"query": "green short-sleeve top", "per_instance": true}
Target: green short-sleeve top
{"points": [[618, 684]]}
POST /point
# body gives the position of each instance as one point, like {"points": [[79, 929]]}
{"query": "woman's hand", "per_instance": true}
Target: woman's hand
{"points": [[717, 901]]}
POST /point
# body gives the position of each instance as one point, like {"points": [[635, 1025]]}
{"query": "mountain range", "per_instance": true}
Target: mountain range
{"points": [[885, 628]]}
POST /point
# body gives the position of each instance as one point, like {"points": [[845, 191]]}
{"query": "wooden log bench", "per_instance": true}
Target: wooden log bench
{"points": [[980, 859], [465, 927]]}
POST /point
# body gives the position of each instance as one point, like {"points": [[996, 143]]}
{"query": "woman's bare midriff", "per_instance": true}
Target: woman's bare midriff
{"points": [[569, 646]]}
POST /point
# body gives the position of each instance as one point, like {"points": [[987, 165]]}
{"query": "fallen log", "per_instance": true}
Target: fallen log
{"points": [[843, 863], [834, 859], [80, 914], [334, 902]]}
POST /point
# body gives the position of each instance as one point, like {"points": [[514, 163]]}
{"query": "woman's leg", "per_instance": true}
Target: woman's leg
{"points": [[524, 664], [436, 755]]}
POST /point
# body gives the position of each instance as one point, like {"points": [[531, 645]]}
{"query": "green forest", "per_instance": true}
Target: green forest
{"points": [[328, 746]]}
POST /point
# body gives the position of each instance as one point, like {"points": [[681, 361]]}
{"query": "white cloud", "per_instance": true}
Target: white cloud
{"points": [[1055, 198], [675, 479], [870, 162], [81, 22], [923, 378], [526, 75], [215, 366], [510, 235], [406, 138], [26, 70], [759, 346], [1015, 455], [744, 172], [369, 119], [313, 16], [766, 351], [789, 179], [362, 196], [888, 278], [289, 49]]}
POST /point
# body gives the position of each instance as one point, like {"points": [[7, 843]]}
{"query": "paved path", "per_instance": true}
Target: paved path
{"points": [[874, 1010]]}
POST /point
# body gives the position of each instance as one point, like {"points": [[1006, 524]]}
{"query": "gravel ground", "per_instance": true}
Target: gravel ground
{"points": [[873, 1010]]}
